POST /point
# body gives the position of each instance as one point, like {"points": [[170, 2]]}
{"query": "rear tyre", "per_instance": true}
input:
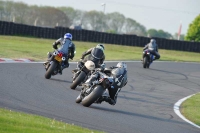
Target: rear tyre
{"points": [[78, 80], [50, 70], [148, 62], [145, 62], [93, 96], [147, 66]]}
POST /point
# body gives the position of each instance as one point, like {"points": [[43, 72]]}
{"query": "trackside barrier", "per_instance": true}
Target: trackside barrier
{"points": [[10, 28]]}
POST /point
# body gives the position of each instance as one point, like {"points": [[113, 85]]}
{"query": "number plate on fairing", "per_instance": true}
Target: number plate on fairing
{"points": [[58, 58]]}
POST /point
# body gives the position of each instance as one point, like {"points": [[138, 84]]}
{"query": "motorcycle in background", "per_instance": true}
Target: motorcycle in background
{"points": [[147, 58]]}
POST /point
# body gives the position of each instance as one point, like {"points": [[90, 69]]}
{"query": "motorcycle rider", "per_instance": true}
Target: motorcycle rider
{"points": [[67, 48], [115, 89], [95, 54], [153, 49]]}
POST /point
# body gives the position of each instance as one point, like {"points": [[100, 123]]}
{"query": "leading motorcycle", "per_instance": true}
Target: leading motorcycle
{"points": [[54, 65]]}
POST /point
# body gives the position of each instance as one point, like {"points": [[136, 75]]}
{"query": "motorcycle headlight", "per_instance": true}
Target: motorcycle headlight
{"points": [[90, 65]]}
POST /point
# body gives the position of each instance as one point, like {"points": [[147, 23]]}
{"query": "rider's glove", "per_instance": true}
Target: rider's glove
{"points": [[71, 57], [80, 64], [55, 46], [103, 66]]}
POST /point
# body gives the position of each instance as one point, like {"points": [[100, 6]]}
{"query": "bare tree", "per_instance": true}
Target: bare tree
{"points": [[75, 16], [66, 16], [50, 17], [19, 11], [92, 20], [115, 21]]}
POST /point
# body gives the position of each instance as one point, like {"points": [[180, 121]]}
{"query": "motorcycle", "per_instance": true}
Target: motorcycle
{"points": [[93, 89], [81, 73], [54, 66], [147, 58]]}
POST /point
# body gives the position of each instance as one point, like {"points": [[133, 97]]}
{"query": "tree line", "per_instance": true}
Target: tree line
{"points": [[47, 16]]}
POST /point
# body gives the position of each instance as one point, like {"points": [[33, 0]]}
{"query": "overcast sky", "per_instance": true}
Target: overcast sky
{"points": [[156, 14]]}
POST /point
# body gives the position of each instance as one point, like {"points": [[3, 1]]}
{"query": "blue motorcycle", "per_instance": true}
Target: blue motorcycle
{"points": [[147, 58]]}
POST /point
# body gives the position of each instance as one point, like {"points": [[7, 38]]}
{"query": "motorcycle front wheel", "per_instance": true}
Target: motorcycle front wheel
{"points": [[93, 96], [78, 80]]}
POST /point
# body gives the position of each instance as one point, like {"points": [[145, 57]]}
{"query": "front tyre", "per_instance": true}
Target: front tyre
{"points": [[50, 70], [78, 80], [93, 96]]}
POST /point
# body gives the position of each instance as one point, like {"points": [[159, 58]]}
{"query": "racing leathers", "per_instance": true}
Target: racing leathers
{"points": [[67, 48], [94, 54], [115, 87], [153, 49]]}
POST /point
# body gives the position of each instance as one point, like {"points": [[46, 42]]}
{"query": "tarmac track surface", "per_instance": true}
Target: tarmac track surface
{"points": [[145, 104]]}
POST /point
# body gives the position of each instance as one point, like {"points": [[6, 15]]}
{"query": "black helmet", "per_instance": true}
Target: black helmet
{"points": [[101, 46]]}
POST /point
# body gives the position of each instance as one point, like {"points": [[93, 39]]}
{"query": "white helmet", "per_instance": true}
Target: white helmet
{"points": [[68, 36], [122, 65], [153, 41]]}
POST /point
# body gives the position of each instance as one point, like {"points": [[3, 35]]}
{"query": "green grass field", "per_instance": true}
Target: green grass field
{"points": [[17, 122], [36, 49], [191, 109]]}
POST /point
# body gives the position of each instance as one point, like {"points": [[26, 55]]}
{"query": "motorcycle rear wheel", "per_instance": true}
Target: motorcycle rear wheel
{"points": [[50, 70], [145, 60]]}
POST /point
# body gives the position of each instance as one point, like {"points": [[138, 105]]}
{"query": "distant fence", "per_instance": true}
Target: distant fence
{"points": [[10, 28]]}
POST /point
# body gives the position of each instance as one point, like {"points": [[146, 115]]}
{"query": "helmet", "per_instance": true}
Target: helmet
{"points": [[101, 46], [122, 65], [68, 36], [153, 41]]}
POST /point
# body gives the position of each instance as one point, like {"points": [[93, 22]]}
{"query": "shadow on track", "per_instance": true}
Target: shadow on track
{"points": [[170, 72], [60, 80]]}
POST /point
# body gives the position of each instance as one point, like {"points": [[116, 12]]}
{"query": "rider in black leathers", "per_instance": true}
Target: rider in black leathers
{"points": [[121, 82], [95, 54], [153, 48]]}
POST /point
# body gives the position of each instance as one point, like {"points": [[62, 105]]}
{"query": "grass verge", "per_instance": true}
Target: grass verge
{"points": [[36, 49], [17, 122], [191, 109]]}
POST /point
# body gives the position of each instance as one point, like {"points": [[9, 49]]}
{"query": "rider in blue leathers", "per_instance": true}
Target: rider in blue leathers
{"points": [[67, 48], [153, 48]]}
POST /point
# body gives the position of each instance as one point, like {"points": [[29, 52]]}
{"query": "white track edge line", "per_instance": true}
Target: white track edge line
{"points": [[177, 111]]}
